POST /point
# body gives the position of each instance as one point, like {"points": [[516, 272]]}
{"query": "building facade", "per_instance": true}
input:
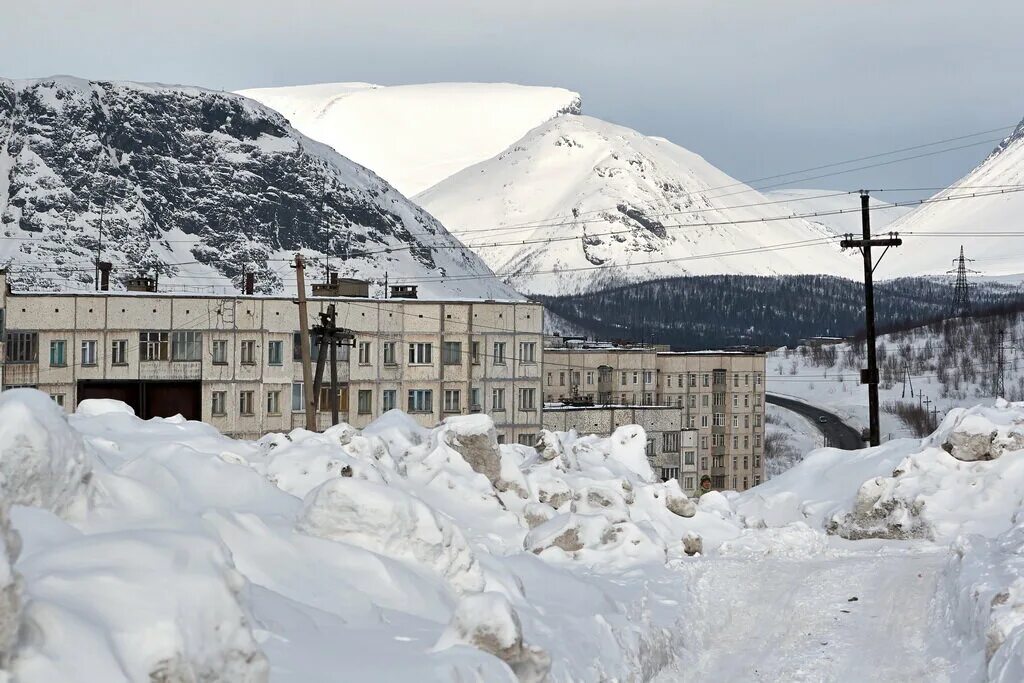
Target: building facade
{"points": [[234, 362], [720, 395]]}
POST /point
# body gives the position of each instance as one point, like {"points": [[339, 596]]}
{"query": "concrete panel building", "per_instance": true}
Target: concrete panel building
{"points": [[719, 394], [234, 361]]}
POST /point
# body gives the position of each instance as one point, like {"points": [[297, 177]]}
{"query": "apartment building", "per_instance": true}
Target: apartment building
{"points": [[235, 361], [718, 394]]}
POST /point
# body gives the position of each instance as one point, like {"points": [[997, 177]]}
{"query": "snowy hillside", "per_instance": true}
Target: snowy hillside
{"points": [[200, 185], [953, 221], [621, 199], [414, 136], [815, 201]]}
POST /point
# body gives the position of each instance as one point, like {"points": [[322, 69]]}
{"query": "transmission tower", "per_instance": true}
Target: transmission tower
{"points": [[997, 380], [961, 306]]}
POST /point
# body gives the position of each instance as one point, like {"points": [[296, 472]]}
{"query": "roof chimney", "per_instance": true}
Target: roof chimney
{"points": [[249, 287], [105, 268]]}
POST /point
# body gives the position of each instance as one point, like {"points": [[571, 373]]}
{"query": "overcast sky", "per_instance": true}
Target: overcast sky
{"points": [[757, 87]]}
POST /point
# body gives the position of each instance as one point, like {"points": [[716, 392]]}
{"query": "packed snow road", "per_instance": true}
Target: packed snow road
{"points": [[865, 616]]}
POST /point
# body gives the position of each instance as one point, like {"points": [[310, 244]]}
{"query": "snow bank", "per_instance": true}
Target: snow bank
{"points": [[42, 460]]}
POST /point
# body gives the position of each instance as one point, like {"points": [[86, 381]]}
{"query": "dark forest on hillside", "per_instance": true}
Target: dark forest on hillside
{"points": [[718, 311]]}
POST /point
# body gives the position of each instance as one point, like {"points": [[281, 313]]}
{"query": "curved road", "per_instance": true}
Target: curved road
{"points": [[837, 433]]}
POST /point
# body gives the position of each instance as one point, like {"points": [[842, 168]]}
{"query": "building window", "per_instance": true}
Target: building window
{"points": [[704, 400], [707, 379], [704, 442], [648, 377], [735, 421], [58, 353], [746, 442], [648, 398], [58, 399], [119, 352], [757, 480], [452, 401], [757, 461], [451, 353], [735, 400], [670, 442], [746, 462], [364, 353], [275, 353], [298, 397], [735, 379], [757, 419], [186, 345], [499, 353], [550, 382], [220, 351], [668, 381], [590, 377], [746, 422], [364, 401], [421, 401], [248, 353], [719, 420], [692, 401], [704, 463], [757, 441], [636, 377], [703, 420], [22, 347], [561, 379], [689, 483], [474, 352], [527, 399], [325, 399], [526, 439], [420, 353], [498, 400], [692, 379], [389, 399], [389, 353], [501, 439], [649, 448], [668, 473], [624, 379], [89, 352], [218, 403], [527, 352], [246, 405], [474, 400], [735, 442], [153, 346], [689, 458], [691, 421], [273, 403]]}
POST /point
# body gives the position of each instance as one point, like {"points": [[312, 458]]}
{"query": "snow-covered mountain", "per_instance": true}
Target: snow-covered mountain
{"points": [[414, 136], [805, 202], [613, 197], [202, 185], [1002, 170]]}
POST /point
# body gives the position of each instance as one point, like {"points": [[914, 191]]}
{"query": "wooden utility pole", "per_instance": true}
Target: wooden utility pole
{"points": [[307, 378], [869, 375], [328, 336]]}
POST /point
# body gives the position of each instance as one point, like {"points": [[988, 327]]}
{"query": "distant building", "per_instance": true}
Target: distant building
{"points": [[719, 395], [233, 361]]}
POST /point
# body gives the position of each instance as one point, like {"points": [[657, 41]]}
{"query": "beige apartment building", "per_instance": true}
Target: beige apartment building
{"points": [[234, 361], [717, 394]]}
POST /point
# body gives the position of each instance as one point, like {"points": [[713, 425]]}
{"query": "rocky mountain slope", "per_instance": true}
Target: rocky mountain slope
{"points": [[414, 136], [199, 185], [952, 222], [622, 207]]}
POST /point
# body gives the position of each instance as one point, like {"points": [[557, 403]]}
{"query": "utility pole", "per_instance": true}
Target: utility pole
{"points": [[307, 379], [869, 375], [997, 382], [329, 336]]}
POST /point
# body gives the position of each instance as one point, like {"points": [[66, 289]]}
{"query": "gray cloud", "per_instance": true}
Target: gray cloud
{"points": [[756, 87]]}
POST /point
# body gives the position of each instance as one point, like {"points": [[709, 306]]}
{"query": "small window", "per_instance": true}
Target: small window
{"points": [[364, 403], [688, 458], [389, 399], [389, 353], [498, 400], [364, 354], [420, 354], [273, 403], [452, 401], [275, 353], [153, 346], [528, 352], [298, 397], [119, 352], [668, 473], [451, 353], [58, 353], [186, 345], [527, 399], [248, 352], [58, 399], [526, 439], [670, 442], [474, 400], [474, 352], [89, 352], [220, 351], [218, 403], [421, 401], [498, 358], [245, 403]]}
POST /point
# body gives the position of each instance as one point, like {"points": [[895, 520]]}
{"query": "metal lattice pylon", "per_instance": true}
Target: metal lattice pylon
{"points": [[961, 306]]}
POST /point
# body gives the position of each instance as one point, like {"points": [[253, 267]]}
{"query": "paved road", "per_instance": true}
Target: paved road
{"points": [[837, 433]]}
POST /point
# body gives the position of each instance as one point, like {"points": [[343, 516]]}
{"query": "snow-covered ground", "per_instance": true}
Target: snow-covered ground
{"points": [[162, 550], [789, 436]]}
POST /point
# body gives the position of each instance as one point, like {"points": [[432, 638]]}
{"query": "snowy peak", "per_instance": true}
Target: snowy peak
{"points": [[414, 136], [200, 185], [579, 203]]}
